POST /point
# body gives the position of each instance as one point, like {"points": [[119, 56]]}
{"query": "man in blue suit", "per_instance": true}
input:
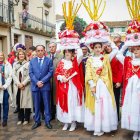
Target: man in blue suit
{"points": [[40, 72]]}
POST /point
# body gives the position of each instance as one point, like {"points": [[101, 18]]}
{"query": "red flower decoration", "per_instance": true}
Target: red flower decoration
{"points": [[102, 58], [83, 33], [98, 72], [95, 26], [128, 31], [134, 27]]}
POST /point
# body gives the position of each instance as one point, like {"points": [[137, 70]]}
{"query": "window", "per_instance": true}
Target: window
{"points": [[16, 38], [111, 30], [123, 29], [47, 46], [28, 41]]}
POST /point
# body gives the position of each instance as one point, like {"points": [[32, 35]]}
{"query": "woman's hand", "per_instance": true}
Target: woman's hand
{"points": [[20, 86], [64, 79], [93, 90], [118, 85]]}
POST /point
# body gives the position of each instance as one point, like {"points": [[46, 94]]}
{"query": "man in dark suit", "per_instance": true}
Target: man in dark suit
{"points": [[56, 57], [41, 71]]}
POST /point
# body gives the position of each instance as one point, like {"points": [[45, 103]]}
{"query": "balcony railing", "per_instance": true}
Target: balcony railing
{"points": [[36, 25], [48, 3], [6, 19]]}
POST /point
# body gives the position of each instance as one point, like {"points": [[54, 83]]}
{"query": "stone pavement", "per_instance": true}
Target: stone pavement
{"points": [[14, 132]]}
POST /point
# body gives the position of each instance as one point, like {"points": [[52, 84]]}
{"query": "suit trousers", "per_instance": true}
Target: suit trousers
{"points": [[37, 102]]}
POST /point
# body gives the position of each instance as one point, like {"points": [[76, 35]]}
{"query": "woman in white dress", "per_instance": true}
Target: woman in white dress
{"points": [[70, 99], [100, 107]]}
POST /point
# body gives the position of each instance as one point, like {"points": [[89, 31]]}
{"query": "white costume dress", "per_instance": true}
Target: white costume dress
{"points": [[131, 105], [105, 117], [75, 111]]}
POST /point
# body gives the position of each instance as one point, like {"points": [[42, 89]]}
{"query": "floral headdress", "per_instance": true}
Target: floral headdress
{"points": [[96, 31], [69, 39], [133, 30]]}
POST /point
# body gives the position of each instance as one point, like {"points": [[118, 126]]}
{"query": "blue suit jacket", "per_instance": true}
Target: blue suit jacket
{"points": [[43, 75]]}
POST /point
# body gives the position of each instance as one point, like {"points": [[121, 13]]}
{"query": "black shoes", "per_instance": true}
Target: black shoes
{"points": [[36, 125], [49, 126], [16, 111], [4, 123]]}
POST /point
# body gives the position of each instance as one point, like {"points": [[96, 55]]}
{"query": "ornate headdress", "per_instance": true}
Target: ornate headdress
{"points": [[96, 31], [19, 45], [69, 39], [133, 30]]}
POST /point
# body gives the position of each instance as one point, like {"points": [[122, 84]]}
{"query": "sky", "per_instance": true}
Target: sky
{"points": [[116, 10]]}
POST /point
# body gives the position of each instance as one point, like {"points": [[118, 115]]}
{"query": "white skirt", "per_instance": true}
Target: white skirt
{"points": [[75, 111], [105, 117], [131, 107]]}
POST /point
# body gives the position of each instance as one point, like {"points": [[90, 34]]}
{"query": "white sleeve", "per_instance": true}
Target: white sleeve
{"points": [[114, 51], [120, 55], [9, 79], [79, 55], [59, 77], [91, 83]]}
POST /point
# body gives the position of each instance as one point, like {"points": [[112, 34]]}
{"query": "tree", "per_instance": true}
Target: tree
{"points": [[79, 26]]}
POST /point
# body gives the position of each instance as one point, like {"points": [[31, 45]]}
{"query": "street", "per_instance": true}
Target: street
{"points": [[14, 132]]}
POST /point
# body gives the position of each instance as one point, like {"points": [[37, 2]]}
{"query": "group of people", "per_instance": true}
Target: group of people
{"points": [[87, 82]]}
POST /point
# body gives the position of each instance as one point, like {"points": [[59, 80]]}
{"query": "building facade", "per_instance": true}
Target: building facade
{"points": [[32, 23], [59, 21], [6, 22], [119, 27]]}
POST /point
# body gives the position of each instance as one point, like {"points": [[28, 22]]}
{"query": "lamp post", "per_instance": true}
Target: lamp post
{"points": [[11, 4], [42, 16]]}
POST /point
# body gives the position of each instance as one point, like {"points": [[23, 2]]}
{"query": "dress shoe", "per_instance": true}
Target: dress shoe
{"points": [[65, 127], [48, 125], [25, 122], [98, 133], [36, 125], [19, 122], [73, 126], [4, 123], [16, 110]]}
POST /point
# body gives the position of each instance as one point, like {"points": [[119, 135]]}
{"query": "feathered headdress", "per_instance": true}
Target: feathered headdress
{"points": [[133, 30], [69, 39], [96, 31]]}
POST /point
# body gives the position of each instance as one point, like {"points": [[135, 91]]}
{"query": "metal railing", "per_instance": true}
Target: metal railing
{"points": [[36, 23], [6, 14]]}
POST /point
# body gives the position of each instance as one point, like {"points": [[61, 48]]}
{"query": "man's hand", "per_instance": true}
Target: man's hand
{"points": [[93, 90], [1, 88], [40, 84], [118, 85]]}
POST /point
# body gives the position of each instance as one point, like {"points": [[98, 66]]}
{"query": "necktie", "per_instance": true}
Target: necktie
{"points": [[52, 56], [40, 63]]}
